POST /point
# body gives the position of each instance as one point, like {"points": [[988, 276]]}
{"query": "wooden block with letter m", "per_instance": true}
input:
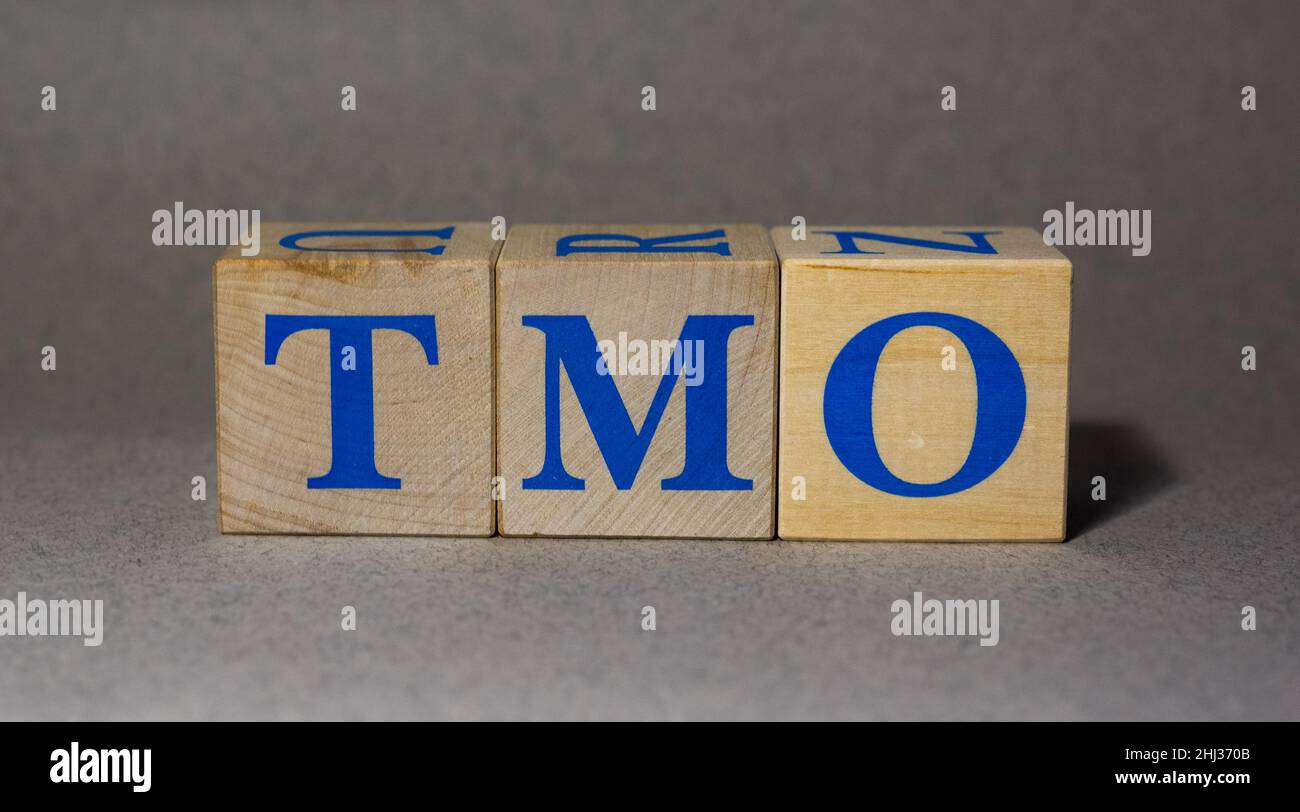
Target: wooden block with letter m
{"points": [[924, 381], [354, 380], [636, 381]]}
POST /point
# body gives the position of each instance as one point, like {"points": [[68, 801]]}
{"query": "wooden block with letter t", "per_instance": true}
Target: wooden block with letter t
{"points": [[636, 381], [354, 380], [924, 378]]}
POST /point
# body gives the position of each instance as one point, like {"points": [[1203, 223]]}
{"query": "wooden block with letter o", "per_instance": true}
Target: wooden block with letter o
{"points": [[924, 378], [354, 380], [636, 381]]}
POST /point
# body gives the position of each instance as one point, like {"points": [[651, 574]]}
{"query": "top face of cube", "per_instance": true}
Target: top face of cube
{"points": [[336, 245], [638, 244], [895, 246]]}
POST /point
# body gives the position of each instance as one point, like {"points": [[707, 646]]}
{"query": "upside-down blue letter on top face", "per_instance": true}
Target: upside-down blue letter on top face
{"points": [[294, 241], [571, 344], [1000, 404], [352, 387], [848, 241], [629, 244]]}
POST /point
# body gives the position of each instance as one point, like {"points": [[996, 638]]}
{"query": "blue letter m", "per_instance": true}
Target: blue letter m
{"points": [[570, 342]]}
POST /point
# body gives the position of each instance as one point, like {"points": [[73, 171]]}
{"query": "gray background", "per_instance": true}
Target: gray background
{"points": [[765, 110]]}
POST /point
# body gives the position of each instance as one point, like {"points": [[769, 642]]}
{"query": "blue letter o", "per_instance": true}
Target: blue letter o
{"points": [[999, 411]]}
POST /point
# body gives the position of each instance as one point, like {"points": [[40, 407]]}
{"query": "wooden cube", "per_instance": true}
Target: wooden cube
{"points": [[636, 381], [354, 380], [924, 380]]}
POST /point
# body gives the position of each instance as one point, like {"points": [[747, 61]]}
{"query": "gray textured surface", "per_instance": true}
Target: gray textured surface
{"points": [[765, 111]]}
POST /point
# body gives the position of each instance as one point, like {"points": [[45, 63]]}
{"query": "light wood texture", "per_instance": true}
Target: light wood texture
{"points": [[648, 296], [923, 415], [433, 423]]}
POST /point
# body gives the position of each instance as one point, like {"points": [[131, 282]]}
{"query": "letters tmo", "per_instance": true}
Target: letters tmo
{"points": [[571, 346]]}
